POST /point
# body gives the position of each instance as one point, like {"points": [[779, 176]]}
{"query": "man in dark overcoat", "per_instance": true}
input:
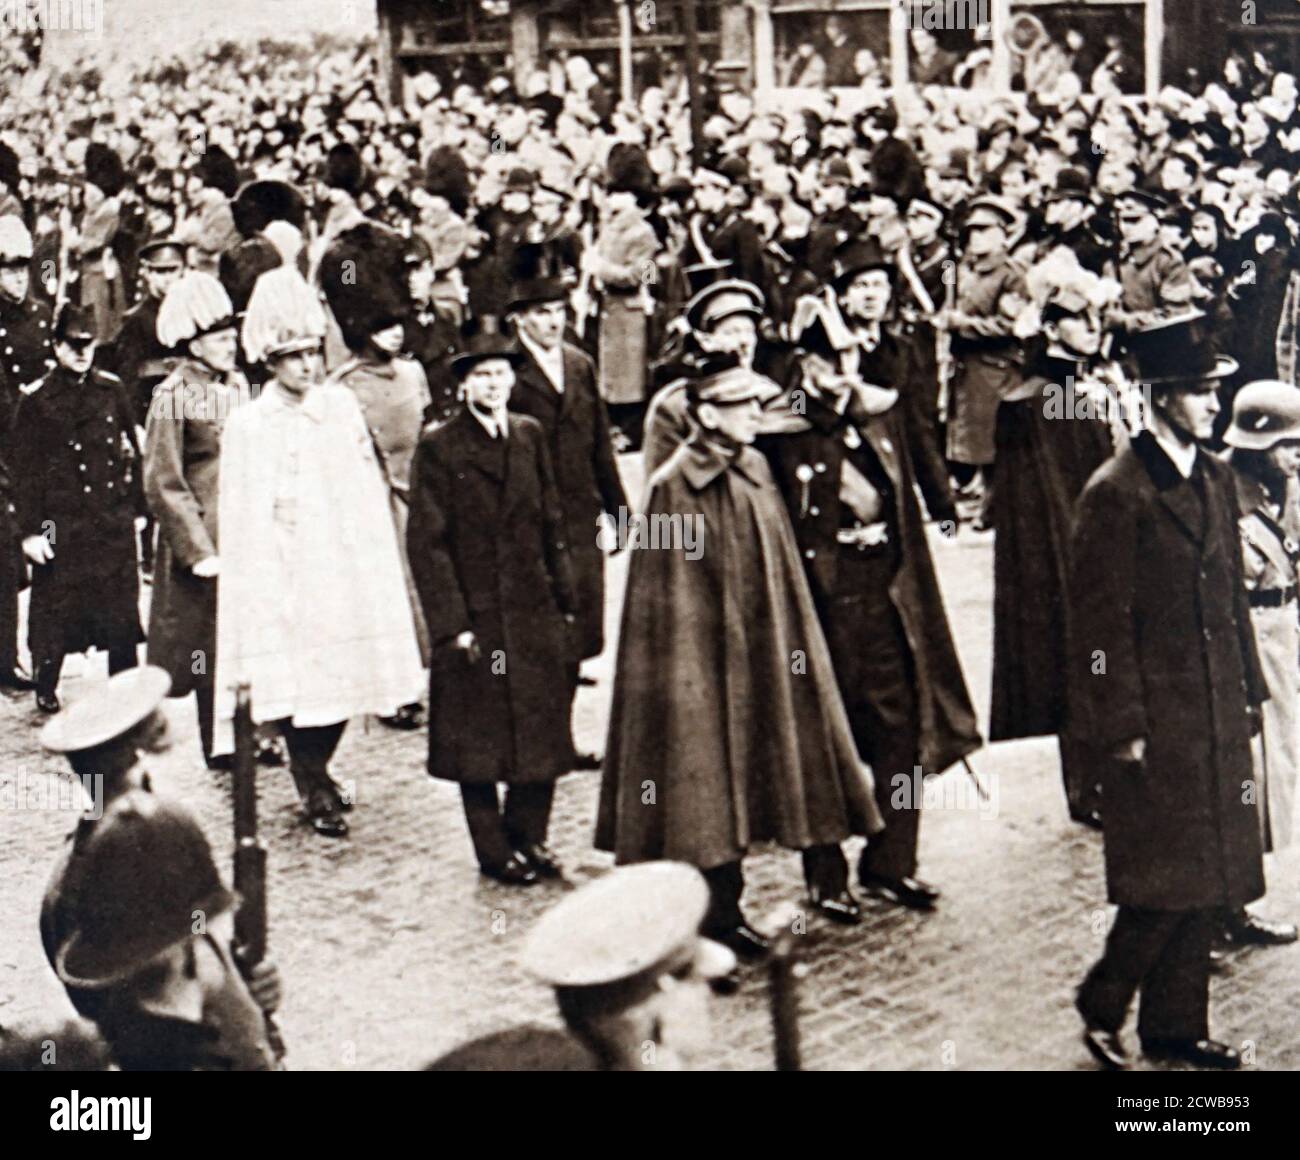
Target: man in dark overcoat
{"points": [[488, 554], [556, 385], [1166, 680], [845, 467], [78, 496]]}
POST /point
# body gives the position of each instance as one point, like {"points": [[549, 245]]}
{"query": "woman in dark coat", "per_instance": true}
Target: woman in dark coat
{"points": [[487, 551], [182, 457], [1051, 435]]}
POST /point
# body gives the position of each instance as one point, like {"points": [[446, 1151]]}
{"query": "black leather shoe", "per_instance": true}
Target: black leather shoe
{"points": [[328, 824], [842, 908], [1106, 1047], [220, 762], [743, 941], [582, 761], [48, 702], [1092, 819], [727, 984], [1249, 930], [541, 859], [16, 680], [407, 717], [271, 751], [1201, 1052], [909, 892], [513, 872]]}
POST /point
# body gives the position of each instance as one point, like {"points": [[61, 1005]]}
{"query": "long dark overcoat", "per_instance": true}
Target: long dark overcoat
{"points": [[807, 466], [577, 436], [727, 728], [182, 461], [1163, 649], [487, 550], [76, 473], [1044, 462]]}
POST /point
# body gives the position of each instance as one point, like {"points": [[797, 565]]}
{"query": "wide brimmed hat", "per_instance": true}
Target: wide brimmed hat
{"points": [[1264, 413], [1179, 350], [107, 711], [137, 880], [482, 347]]}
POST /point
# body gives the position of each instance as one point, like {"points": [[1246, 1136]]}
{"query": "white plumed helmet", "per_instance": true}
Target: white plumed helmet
{"points": [[194, 305], [15, 241], [284, 315]]}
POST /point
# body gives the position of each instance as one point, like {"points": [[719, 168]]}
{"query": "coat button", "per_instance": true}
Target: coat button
{"points": [[82, 466], [819, 467], [86, 488], [814, 511], [810, 553]]}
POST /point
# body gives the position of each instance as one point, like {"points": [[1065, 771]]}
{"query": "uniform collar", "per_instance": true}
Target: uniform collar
{"points": [[705, 459]]}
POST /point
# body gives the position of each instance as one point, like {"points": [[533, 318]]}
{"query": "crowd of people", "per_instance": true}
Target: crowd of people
{"points": [[346, 383]]}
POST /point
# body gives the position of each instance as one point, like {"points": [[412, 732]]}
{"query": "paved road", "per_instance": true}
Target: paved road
{"points": [[394, 949]]}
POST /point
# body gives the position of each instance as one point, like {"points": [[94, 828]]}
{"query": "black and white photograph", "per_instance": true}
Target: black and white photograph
{"points": [[650, 535]]}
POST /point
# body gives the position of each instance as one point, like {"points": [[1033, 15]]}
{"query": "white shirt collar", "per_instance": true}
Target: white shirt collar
{"points": [[551, 361], [1183, 458], [495, 425]]}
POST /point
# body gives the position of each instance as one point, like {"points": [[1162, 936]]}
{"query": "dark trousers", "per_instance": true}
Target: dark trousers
{"points": [[630, 419], [877, 679], [500, 827], [50, 666], [204, 695], [726, 885], [9, 588], [1165, 954], [310, 750]]}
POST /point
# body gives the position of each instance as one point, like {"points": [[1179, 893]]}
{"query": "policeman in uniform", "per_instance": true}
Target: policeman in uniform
{"points": [[79, 500], [629, 969], [136, 355], [136, 921], [26, 355]]}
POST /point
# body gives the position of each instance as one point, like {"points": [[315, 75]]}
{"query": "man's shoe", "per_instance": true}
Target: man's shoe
{"points": [[1201, 1052], [1107, 1048], [743, 941], [842, 907], [328, 824], [1091, 819], [727, 984], [271, 751], [584, 761], [220, 762], [541, 859], [909, 892], [514, 871], [48, 702], [407, 717], [16, 680], [1252, 931]]}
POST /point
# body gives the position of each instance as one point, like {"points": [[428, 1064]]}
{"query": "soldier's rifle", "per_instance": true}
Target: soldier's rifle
{"points": [[250, 854]]}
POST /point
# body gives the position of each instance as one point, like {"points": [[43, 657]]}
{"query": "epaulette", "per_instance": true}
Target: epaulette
{"points": [[107, 376]]}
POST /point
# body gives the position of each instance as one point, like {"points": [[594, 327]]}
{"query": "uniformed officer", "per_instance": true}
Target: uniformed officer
{"points": [[630, 972], [136, 921], [990, 295], [136, 355], [79, 503], [182, 460], [1155, 279], [723, 317], [26, 355], [847, 471]]}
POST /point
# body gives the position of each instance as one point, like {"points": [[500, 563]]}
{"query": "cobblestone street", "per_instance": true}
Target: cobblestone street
{"points": [[393, 949]]}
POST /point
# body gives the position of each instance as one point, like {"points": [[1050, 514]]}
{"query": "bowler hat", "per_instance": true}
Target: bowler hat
{"points": [[482, 347], [1264, 413]]}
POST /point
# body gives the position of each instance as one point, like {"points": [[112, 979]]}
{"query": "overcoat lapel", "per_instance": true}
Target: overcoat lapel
{"points": [[1176, 494]]}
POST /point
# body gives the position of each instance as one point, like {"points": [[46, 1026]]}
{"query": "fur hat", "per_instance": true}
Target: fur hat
{"points": [[363, 275], [216, 169], [258, 203], [344, 169], [104, 169]]}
